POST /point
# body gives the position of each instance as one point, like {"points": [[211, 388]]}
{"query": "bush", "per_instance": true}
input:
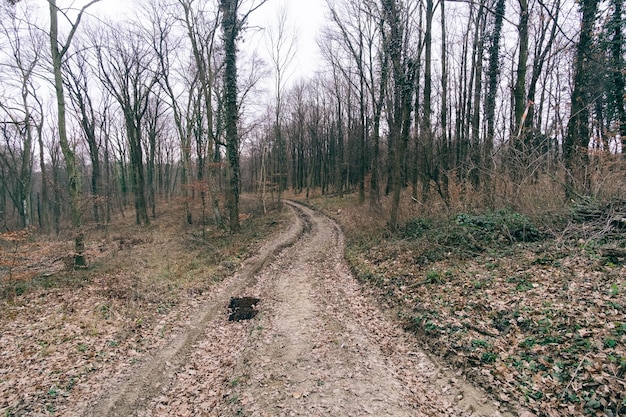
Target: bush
{"points": [[498, 226], [415, 228]]}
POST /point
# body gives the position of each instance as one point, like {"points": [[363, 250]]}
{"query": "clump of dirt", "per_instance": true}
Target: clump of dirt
{"points": [[242, 308]]}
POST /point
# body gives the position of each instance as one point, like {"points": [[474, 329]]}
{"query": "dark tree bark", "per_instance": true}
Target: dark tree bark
{"points": [[618, 91], [426, 150], [492, 77], [230, 31], [519, 91], [475, 143], [403, 73], [445, 146], [577, 138], [461, 127]]}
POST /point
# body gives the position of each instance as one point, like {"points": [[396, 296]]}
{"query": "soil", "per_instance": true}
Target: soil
{"points": [[117, 340], [318, 346]]}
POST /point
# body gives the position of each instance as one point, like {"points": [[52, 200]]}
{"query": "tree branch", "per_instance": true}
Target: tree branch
{"points": [[75, 26]]}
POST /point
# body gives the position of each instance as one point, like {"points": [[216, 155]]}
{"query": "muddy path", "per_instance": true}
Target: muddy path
{"points": [[318, 346]]}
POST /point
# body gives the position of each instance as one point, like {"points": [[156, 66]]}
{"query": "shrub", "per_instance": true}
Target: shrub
{"points": [[415, 228], [499, 225]]}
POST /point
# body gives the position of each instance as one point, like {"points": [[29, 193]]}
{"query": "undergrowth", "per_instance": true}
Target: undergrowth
{"points": [[166, 252]]}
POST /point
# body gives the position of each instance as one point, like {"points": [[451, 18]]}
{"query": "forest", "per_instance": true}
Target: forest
{"points": [[444, 101], [470, 150]]}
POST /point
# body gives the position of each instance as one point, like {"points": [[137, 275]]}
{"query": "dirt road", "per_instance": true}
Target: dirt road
{"points": [[317, 347]]}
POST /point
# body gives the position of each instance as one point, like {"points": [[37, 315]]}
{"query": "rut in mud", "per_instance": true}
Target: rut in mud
{"points": [[315, 346]]}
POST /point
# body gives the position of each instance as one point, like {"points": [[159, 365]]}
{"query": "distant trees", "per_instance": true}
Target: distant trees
{"points": [[491, 102], [129, 73], [281, 45], [471, 100], [201, 26], [22, 116]]}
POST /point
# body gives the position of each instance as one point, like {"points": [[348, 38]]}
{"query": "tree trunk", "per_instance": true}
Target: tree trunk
{"points": [[445, 148], [426, 166], [476, 151], [617, 63], [230, 28], [400, 111], [68, 153], [577, 138], [492, 78], [519, 91]]}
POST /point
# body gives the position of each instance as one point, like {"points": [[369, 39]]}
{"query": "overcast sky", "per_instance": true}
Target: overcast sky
{"points": [[305, 16]]}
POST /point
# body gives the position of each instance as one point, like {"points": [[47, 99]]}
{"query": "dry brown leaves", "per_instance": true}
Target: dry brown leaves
{"points": [[540, 325], [65, 335]]}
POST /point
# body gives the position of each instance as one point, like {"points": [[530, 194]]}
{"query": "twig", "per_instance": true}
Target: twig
{"points": [[575, 373], [477, 329]]}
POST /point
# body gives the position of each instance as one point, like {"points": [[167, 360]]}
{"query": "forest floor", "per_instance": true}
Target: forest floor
{"points": [[144, 330], [510, 317], [535, 314]]}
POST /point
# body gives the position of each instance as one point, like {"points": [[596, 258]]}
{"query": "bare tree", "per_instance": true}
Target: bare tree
{"points": [[58, 50], [355, 36], [22, 113], [202, 33], [129, 73], [445, 145], [77, 82], [181, 93], [281, 44]]}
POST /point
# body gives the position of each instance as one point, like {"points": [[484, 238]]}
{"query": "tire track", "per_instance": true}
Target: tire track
{"points": [[126, 397], [318, 346]]}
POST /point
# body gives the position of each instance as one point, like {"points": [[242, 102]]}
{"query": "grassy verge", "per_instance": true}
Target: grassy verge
{"points": [[535, 314]]}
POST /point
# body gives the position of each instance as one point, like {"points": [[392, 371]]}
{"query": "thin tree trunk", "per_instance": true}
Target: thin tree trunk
{"points": [[445, 148], [68, 153]]}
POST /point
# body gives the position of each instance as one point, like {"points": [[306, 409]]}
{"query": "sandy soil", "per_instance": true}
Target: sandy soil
{"points": [[318, 346]]}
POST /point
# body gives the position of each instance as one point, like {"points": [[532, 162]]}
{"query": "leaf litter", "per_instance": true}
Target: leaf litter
{"points": [[539, 324], [66, 336], [69, 346]]}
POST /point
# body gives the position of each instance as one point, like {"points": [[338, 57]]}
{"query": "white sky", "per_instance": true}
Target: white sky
{"points": [[305, 16]]}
